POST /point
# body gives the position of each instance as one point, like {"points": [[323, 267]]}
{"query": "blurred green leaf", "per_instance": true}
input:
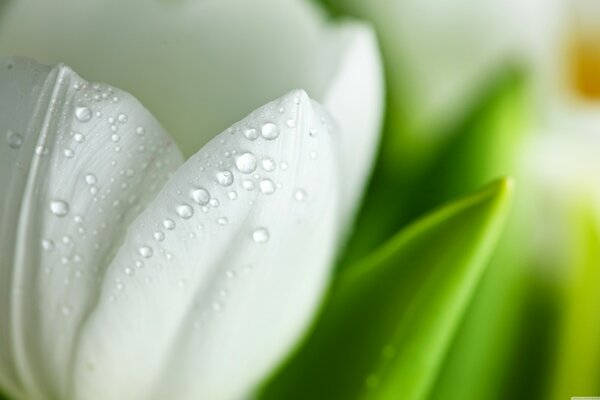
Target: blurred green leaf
{"points": [[577, 363], [483, 146], [388, 321]]}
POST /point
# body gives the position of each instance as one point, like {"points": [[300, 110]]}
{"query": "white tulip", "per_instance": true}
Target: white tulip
{"points": [[127, 273]]}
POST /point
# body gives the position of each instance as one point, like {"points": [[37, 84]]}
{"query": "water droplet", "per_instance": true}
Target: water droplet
{"points": [[246, 163], [169, 224], [251, 134], [140, 130], [269, 131], [248, 184], [47, 244], [224, 178], [300, 195], [14, 139], [232, 195], [59, 208], [312, 132], [291, 123], [260, 235], [158, 235], [267, 186], [222, 221], [268, 164], [41, 150], [146, 251], [214, 203], [129, 271], [68, 153], [79, 137], [115, 138], [313, 155], [83, 114], [185, 211], [122, 118], [91, 179], [201, 196], [284, 166]]}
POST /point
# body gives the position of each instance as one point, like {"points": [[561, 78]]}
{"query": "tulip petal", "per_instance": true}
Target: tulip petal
{"points": [[81, 161], [16, 150], [233, 256], [219, 59], [355, 98]]}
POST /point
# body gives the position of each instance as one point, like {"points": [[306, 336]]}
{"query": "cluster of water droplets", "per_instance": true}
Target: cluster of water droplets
{"points": [[92, 188], [242, 168]]}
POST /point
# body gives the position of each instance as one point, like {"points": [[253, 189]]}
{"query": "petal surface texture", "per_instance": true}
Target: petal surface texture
{"points": [[79, 162], [193, 286], [233, 255], [197, 65]]}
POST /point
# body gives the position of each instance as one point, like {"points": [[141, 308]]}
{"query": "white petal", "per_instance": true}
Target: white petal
{"points": [[227, 286], [91, 157], [16, 149], [355, 99], [197, 65]]}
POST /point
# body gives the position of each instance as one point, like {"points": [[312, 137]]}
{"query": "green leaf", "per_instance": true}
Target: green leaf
{"points": [[485, 144], [577, 360], [388, 321]]}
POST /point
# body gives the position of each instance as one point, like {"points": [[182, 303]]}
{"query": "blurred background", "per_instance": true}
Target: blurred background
{"points": [[478, 89]]}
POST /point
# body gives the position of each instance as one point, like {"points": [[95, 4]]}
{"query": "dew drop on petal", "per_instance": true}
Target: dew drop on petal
{"points": [[251, 134], [145, 251], [248, 184], [222, 221], [201, 196], [260, 235], [90, 179], [185, 211], [59, 208], [68, 153], [169, 224], [158, 235], [268, 164], [267, 186], [47, 244], [225, 178], [246, 163], [300, 195], [269, 131], [83, 114], [14, 139]]}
